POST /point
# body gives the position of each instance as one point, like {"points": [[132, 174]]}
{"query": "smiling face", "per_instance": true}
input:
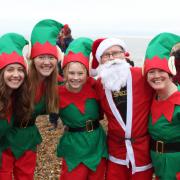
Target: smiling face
{"points": [[45, 65], [114, 52], [14, 75], [158, 79], [75, 75]]}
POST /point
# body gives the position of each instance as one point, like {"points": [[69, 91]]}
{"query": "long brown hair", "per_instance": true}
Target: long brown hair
{"points": [[21, 104], [50, 90]]}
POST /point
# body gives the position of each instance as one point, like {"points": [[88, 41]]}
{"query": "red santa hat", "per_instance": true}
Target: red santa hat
{"points": [[101, 45]]}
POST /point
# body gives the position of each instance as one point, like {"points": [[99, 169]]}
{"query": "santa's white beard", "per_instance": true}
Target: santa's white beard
{"points": [[114, 74]]}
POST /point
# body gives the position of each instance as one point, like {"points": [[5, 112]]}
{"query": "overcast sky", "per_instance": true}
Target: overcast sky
{"points": [[93, 18]]}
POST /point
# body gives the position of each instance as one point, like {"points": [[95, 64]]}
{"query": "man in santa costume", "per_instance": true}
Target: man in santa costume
{"points": [[126, 99]]}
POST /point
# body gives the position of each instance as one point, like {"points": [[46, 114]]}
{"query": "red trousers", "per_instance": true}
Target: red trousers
{"points": [[22, 168], [122, 172], [81, 172]]}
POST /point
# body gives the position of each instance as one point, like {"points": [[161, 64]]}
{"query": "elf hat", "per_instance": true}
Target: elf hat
{"points": [[11, 47], [158, 53], [43, 38], [78, 51], [101, 45], [95, 62]]}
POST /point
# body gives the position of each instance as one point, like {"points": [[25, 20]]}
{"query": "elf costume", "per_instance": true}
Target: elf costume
{"points": [[43, 39], [17, 143], [128, 139], [83, 145], [164, 122]]}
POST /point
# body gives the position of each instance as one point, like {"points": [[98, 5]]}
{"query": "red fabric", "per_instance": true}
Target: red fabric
{"points": [[178, 176], [14, 57], [76, 57], [121, 172], [156, 62], [166, 107], [9, 113], [81, 172], [95, 45], [78, 99], [22, 168], [142, 99], [59, 78], [46, 48], [39, 92], [66, 30]]}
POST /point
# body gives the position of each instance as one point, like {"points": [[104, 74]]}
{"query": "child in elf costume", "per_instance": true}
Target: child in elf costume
{"points": [[164, 121], [83, 145], [17, 144]]}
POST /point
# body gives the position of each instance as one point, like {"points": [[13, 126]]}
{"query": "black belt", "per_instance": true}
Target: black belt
{"points": [[162, 147], [90, 126], [31, 122], [132, 139]]}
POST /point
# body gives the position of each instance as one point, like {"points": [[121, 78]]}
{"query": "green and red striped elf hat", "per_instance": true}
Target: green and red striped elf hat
{"points": [[158, 53], [79, 50], [43, 38], [11, 47]]}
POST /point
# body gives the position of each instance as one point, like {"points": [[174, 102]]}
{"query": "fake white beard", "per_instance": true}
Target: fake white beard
{"points": [[114, 74]]}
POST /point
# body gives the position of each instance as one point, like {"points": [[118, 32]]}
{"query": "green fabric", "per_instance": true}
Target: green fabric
{"points": [[166, 165], [40, 108], [44, 30], [20, 140], [80, 45], [5, 127], [11, 42], [161, 45], [82, 147]]}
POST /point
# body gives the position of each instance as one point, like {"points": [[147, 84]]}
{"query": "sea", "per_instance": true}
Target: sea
{"points": [[137, 46]]}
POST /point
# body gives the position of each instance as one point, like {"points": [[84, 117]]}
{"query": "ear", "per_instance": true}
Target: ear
{"points": [[171, 65], [60, 54]]}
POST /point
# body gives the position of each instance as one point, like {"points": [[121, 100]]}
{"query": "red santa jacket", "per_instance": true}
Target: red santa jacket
{"points": [[135, 149]]}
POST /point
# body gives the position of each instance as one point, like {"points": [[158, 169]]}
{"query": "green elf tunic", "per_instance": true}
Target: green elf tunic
{"points": [[81, 147], [5, 127], [20, 139], [164, 125]]}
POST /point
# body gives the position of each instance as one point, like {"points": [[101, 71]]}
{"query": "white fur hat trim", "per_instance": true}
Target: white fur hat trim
{"points": [[107, 43]]}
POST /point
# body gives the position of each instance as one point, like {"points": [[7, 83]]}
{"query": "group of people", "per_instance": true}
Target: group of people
{"points": [[141, 104]]}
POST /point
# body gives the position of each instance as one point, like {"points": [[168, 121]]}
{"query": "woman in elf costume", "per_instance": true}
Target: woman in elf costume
{"points": [[15, 111], [43, 94], [83, 145], [43, 69], [43, 72], [164, 122]]}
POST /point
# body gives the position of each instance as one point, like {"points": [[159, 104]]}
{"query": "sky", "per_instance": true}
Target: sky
{"points": [[93, 18]]}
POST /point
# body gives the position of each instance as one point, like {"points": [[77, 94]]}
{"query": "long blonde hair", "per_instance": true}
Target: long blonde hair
{"points": [[50, 90]]}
